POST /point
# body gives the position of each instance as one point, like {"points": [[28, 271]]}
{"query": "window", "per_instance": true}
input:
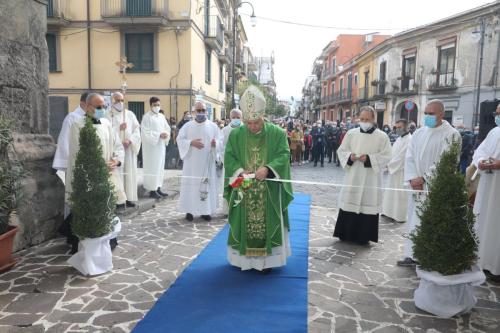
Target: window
{"points": [[382, 77], [139, 50], [408, 75], [52, 46], [333, 88], [334, 65], [208, 66], [356, 79], [137, 108], [446, 65], [221, 77], [349, 85], [341, 88], [138, 7]]}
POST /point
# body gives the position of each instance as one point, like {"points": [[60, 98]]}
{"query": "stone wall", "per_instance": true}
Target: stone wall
{"points": [[23, 97]]}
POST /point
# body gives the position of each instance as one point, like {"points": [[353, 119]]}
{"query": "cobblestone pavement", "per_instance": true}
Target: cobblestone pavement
{"points": [[351, 288]]}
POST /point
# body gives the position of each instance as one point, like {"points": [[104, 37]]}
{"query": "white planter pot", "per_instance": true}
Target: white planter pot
{"points": [[94, 254], [447, 295]]}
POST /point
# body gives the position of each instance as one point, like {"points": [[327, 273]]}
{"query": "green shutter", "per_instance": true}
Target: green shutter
{"points": [[139, 50], [52, 46]]}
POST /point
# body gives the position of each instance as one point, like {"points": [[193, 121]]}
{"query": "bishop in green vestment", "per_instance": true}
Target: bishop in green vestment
{"points": [[258, 207]]}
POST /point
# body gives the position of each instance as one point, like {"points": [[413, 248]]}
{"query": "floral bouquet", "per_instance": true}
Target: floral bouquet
{"points": [[240, 185]]}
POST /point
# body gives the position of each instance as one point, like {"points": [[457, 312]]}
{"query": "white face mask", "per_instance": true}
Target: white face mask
{"points": [[155, 109], [365, 126], [118, 106]]}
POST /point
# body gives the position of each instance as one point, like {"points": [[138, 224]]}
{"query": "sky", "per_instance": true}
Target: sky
{"points": [[295, 47]]}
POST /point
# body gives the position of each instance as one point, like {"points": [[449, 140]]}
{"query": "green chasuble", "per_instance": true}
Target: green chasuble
{"points": [[255, 213]]}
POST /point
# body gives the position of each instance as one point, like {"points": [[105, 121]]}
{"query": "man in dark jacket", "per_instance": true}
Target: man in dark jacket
{"points": [[318, 138]]}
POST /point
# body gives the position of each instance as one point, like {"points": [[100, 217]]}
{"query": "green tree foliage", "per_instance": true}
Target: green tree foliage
{"points": [[11, 174], [93, 199], [445, 241]]}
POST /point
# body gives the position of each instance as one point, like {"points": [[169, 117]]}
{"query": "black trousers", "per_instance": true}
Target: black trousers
{"points": [[319, 153], [331, 150]]}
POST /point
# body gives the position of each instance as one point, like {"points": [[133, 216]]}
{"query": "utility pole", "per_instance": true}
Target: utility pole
{"points": [[475, 120]]}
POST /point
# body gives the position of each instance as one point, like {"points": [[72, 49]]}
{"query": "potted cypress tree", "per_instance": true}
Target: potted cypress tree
{"points": [[11, 174], [92, 205], [445, 243]]}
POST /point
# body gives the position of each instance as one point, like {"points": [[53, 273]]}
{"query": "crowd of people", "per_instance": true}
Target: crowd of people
{"points": [[219, 156]]}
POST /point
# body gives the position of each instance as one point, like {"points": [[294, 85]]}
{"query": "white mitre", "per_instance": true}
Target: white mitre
{"points": [[253, 104]]}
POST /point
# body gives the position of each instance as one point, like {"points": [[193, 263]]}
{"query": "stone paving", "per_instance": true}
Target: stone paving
{"points": [[351, 288]]}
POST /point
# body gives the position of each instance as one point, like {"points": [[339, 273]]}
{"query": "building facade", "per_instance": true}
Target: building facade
{"points": [[441, 60], [180, 51]]}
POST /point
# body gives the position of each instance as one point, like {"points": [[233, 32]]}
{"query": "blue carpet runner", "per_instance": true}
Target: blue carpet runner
{"points": [[212, 296]]}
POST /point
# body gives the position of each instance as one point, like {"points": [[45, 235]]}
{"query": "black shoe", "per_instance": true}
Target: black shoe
{"points": [[492, 277], [330, 161], [154, 195], [120, 206], [189, 217], [113, 243], [206, 217], [407, 262], [74, 245], [163, 194], [129, 204], [266, 271]]}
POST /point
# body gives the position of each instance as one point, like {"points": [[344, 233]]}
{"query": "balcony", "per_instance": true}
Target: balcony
{"points": [[58, 12], [378, 88], [343, 96], [442, 82], [364, 93], [224, 57], [328, 73], [214, 33], [135, 12]]}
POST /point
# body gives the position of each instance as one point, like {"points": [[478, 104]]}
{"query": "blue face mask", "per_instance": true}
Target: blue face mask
{"points": [[99, 113], [236, 122], [430, 121], [497, 120], [201, 117]]}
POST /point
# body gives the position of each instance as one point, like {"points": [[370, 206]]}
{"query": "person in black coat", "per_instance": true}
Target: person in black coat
{"points": [[319, 140]]}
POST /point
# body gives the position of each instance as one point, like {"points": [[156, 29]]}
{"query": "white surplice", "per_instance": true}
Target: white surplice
{"points": [[112, 149], [362, 193], [154, 149], [486, 206], [61, 157], [395, 203], [197, 165], [424, 152], [132, 133]]}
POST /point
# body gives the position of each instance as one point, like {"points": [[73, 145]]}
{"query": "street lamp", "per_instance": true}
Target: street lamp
{"points": [[253, 19]]}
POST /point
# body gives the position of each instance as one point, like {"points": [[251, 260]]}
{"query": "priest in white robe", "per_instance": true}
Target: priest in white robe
{"points": [[395, 204], [486, 207], [127, 127], [427, 145], [236, 117], [155, 133], [62, 151], [199, 142], [364, 153], [112, 150]]}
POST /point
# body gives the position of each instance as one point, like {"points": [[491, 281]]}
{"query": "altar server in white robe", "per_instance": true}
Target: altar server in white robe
{"points": [[155, 133], [112, 149], [395, 204], [127, 127], [199, 142], [427, 145], [236, 116], [364, 153], [487, 205]]}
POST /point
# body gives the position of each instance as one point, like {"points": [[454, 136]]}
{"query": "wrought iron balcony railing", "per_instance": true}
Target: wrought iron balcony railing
{"points": [[214, 32], [135, 11], [58, 12]]}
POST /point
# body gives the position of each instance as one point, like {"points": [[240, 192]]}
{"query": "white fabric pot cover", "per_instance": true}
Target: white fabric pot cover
{"points": [[447, 295], [94, 254]]}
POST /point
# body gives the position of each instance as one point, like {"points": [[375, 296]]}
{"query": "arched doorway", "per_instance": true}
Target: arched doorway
{"points": [[404, 114]]}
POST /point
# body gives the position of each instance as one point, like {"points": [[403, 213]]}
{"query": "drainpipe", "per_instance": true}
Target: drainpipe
{"points": [[479, 77], [89, 56], [497, 69]]}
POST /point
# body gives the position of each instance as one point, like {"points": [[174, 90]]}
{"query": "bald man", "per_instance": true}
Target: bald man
{"points": [[427, 145], [127, 128]]}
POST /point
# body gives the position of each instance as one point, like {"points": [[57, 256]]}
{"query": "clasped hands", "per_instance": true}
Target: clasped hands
{"points": [[489, 164], [198, 143], [361, 158], [112, 164]]}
